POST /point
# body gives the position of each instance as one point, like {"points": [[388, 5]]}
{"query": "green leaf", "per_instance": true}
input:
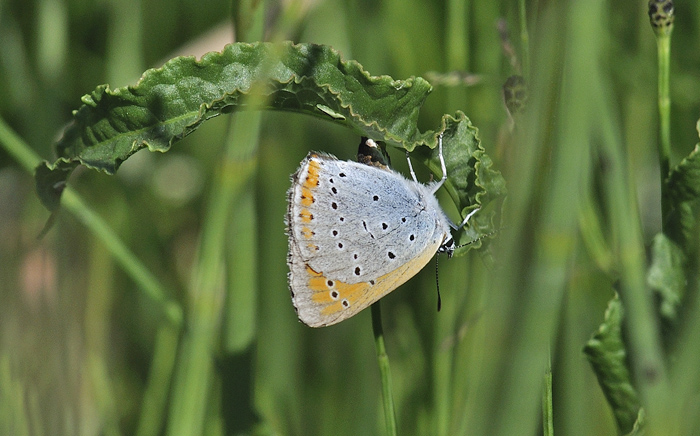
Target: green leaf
{"points": [[607, 354], [638, 428], [684, 189], [170, 102], [472, 182], [666, 276], [684, 180]]}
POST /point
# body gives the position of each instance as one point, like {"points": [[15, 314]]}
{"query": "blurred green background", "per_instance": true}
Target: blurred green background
{"points": [[84, 350]]}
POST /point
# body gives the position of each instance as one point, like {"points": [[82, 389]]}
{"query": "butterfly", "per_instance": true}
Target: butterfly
{"points": [[357, 232]]}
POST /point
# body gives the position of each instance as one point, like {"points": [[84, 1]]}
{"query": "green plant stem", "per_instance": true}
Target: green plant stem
{"points": [[646, 354], [138, 272], [457, 41], [195, 372], [384, 370], [155, 396], [547, 408], [663, 44], [524, 38], [17, 148], [457, 49]]}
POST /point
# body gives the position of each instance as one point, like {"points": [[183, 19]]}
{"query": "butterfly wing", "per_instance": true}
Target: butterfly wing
{"points": [[356, 233]]}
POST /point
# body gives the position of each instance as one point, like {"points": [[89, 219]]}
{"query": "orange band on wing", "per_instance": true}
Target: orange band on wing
{"points": [[334, 296], [312, 174], [306, 216], [331, 293], [307, 198], [307, 232]]}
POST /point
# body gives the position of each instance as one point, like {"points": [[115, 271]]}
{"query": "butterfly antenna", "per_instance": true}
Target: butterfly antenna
{"points": [[437, 275], [491, 233]]}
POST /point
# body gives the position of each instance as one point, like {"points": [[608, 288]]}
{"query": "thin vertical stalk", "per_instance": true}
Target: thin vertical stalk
{"points": [[457, 41], [155, 397], [663, 43], [661, 17], [384, 370], [195, 371], [524, 38], [547, 408], [239, 326], [457, 52], [458, 55]]}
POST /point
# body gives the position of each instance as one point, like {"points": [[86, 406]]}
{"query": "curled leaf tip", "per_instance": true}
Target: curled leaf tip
{"points": [[51, 181]]}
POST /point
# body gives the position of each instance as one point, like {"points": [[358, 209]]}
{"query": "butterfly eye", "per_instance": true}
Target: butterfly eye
{"points": [[447, 247]]}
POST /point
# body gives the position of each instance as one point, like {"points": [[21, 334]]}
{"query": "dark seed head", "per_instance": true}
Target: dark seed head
{"points": [[515, 94], [661, 16]]}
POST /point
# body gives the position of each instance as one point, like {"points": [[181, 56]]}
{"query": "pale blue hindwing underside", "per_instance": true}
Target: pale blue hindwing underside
{"points": [[367, 221]]}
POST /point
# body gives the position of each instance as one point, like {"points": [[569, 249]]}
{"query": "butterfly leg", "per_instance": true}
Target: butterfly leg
{"points": [[443, 167]]}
